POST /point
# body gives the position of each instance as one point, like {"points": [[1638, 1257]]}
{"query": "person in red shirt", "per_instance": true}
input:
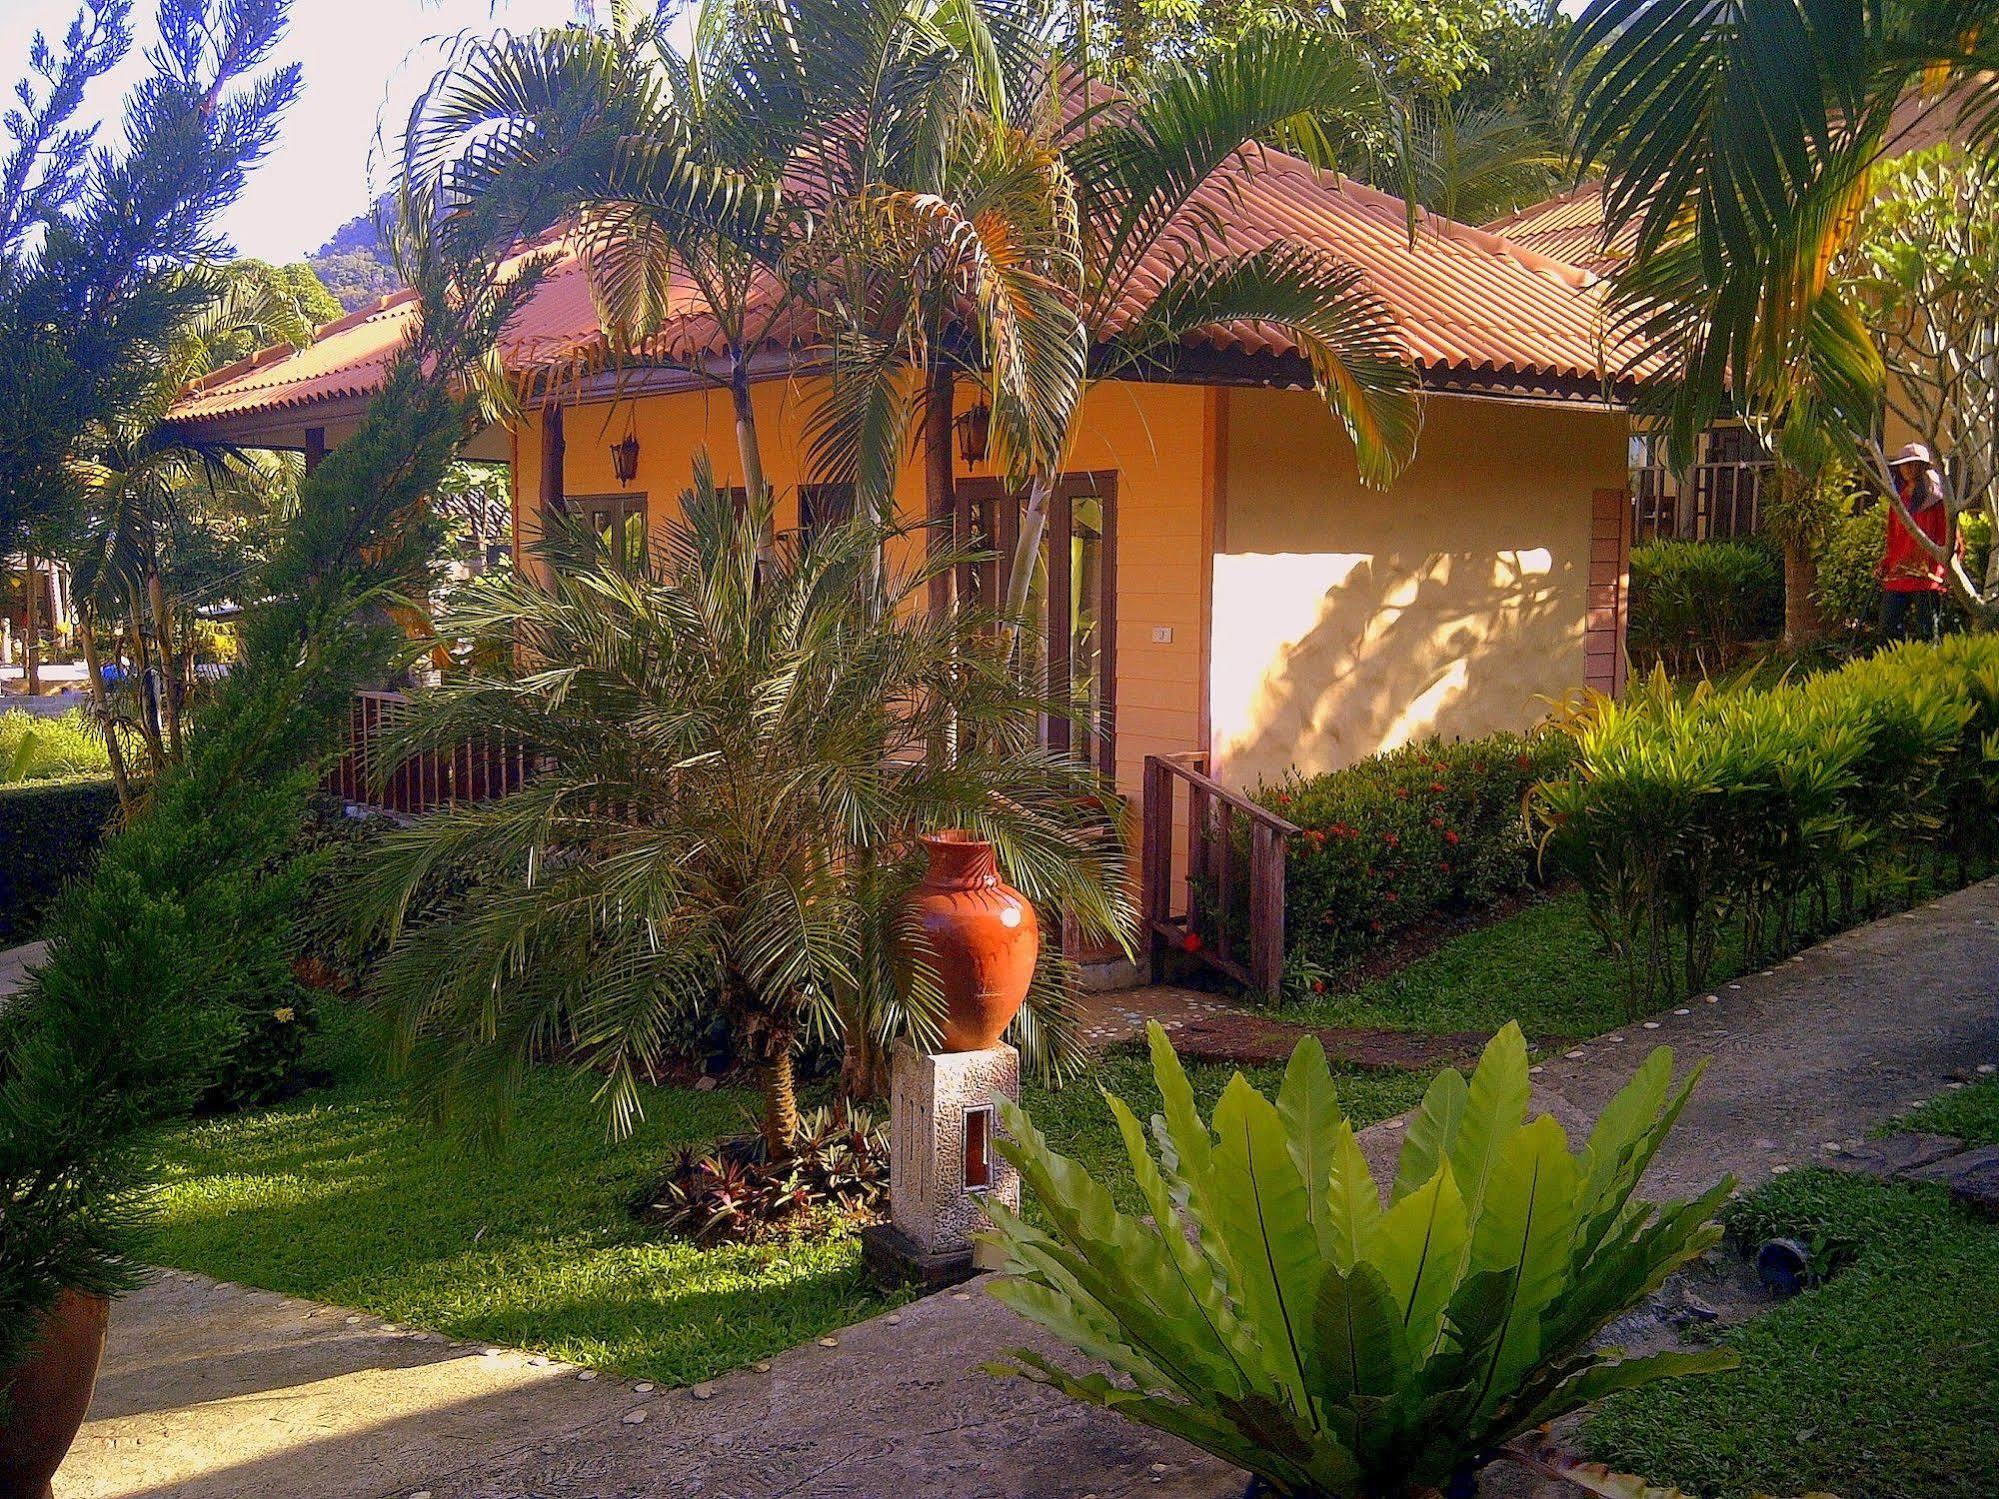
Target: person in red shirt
{"points": [[1912, 581]]}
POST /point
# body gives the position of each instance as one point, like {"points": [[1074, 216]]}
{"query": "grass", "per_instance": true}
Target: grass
{"points": [[1543, 966], [34, 749], [341, 1196], [1880, 1384], [1970, 1113]]}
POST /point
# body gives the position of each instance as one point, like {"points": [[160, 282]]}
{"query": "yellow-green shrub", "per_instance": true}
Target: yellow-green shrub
{"points": [[1686, 815]]}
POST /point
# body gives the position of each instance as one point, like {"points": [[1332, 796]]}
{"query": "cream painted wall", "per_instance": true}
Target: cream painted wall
{"points": [[1349, 621]]}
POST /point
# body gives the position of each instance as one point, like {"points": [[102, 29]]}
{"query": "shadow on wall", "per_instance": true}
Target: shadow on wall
{"points": [[1322, 659]]}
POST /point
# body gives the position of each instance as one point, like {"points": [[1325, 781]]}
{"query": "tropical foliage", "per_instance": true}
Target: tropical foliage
{"points": [[894, 194], [734, 739], [1688, 814], [1744, 180], [1696, 606], [1273, 1312], [1428, 830], [173, 952]]}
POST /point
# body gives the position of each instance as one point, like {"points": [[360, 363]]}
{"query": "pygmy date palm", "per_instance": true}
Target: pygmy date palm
{"points": [[732, 740]]}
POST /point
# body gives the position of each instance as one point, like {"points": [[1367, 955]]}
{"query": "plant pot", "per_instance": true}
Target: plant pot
{"points": [[50, 1394], [982, 935]]}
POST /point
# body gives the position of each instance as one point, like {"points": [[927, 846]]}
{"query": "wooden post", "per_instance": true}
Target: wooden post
{"points": [[315, 449], [554, 499], [1156, 857], [1266, 902]]}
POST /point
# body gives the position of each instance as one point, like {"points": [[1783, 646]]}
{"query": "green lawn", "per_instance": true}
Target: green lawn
{"points": [[1970, 1113], [1541, 966], [1880, 1384], [341, 1197]]}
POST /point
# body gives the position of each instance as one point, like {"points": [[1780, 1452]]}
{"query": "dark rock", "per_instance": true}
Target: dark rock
{"points": [[1973, 1178], [1897, 1155]]}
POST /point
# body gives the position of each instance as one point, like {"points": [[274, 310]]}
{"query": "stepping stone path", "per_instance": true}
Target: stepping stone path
{"points": [[1971, 1176]]}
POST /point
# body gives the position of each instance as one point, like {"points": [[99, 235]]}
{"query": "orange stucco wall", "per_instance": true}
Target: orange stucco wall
{"points": [[1158, 439], [1269, 607]]}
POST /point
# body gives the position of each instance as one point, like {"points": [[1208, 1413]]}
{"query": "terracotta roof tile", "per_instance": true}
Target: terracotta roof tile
{"points": [[1467, 300]]}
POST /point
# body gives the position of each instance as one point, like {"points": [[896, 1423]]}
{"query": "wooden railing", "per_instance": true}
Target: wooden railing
{"points": [[1710, 502], [1219, 894], [474, 772]]}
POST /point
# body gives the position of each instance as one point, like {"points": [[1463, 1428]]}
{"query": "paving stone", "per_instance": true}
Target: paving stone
{"points": [[1973, 1178], [1907, 1151]]}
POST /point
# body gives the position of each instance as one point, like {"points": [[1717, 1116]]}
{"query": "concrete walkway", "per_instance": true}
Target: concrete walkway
{"points": [[214, 1390]]}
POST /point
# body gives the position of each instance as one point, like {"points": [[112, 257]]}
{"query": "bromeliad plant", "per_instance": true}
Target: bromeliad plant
{"points": [[1274, 1313]]}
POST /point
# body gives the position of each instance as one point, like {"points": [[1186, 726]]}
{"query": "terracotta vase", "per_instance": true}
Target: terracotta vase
{"points": [[50, 1394], [982, 935]]}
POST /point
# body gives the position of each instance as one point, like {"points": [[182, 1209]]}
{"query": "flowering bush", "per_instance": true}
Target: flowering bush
{"points": [[1386, 843]]}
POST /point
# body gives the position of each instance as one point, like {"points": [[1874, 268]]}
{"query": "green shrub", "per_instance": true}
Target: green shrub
{"points": [[1395, 839], [1849, 578], [1686, 813], [36, 749], [1271, 1311], [1695, 605], [49, 833]]}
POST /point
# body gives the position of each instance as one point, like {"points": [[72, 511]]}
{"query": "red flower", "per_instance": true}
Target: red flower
{"points": [[1374, 926], [1390, 895], [1402, 793], [1524, 762], [1318, 986], [1450, 835], [1191, 942], [1392, 840], [1445, 865], [1436, 785], [1436, 822]]}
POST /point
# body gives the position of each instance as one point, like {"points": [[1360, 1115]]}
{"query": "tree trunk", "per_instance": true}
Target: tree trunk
{"points": [[1026, 552], [163, 631], [31, 633], [780, 1127], [114, 751], [940, 500], [1801, 581], [749, 446], [142, 663], [863, 1064]]}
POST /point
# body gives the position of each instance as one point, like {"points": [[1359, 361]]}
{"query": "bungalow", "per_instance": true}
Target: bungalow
{"points": [[1221, 588]]}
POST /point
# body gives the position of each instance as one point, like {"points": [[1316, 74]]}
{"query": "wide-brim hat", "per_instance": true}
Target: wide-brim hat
{"points": [[1913, 452]]}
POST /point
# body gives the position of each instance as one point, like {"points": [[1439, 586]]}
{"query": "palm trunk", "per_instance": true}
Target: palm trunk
{"points": [[31, 634], [142, 663], [1801, 605], [780, 1126], [1026, 552], [749, 446], [940, 500], [113, 750], [163, 631]]}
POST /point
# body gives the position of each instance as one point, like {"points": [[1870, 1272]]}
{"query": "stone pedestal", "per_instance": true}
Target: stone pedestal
{"points": [[944, 1120]]}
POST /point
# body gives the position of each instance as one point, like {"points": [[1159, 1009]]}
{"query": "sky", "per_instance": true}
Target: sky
{"points": [[364, 61], [356, 54]]}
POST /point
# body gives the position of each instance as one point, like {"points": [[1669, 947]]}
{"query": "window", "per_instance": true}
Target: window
{"points": [[824, 505]]}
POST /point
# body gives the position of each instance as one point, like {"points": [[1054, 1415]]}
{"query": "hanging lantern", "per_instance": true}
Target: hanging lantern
{"points": [[625, 459], [974, 430]]}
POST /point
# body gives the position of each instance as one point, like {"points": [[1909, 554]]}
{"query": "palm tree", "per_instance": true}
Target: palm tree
{"points": [[152, 501], [1739, 140], [732, 740]]}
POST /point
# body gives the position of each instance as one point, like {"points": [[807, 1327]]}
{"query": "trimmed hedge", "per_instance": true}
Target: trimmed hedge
{"points": [[49, 834], [1779, 813], [1696, 605], [1427, 829]]}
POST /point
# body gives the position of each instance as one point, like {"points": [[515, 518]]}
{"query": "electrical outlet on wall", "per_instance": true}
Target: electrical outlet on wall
{"points": [[1162, 634]]}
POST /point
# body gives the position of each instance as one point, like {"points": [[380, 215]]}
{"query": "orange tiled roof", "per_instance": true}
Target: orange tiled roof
{"points": [[1471, 305], [1571, 226]]}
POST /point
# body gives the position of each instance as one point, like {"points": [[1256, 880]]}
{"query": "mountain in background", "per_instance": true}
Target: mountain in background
{"points": [[354, 264]]}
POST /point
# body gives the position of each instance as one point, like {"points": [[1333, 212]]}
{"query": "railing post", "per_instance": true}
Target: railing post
{"points": [[1266, 900], [1156, 858]]}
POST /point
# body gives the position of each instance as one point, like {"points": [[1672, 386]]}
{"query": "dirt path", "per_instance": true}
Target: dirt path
{"points": [[214, 1391]]}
